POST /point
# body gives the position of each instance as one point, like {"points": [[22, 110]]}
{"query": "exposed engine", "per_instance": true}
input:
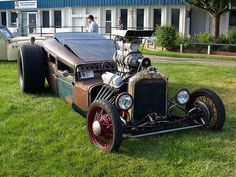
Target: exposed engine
{"points": [[128, 56]]}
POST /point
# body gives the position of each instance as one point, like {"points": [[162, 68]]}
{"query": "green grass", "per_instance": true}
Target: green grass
{"points": [[40, 135], [186, 55]]}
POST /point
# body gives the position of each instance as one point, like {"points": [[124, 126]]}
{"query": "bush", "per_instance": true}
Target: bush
{"points": [[232, 35], [166, 37], [184, 39], [204, 38], [222, 39]]}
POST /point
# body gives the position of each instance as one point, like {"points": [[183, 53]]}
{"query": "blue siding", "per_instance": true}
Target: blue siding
{"points": [[72, 3], [51, 3], [7, 5]]}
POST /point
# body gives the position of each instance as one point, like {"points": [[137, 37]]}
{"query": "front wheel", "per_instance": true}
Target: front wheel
{"points": [[104, 126], [212, 107]]}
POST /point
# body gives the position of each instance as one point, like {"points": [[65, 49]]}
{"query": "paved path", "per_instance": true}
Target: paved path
{"points": [[192, 60]]}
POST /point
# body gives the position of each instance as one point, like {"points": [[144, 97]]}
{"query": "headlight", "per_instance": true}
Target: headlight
{"points": [[182, 97], [124, 101]]}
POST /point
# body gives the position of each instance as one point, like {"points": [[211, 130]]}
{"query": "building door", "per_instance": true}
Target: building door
{"points": [[108, 21], [29, 22], [140, 19], [32, 17]]}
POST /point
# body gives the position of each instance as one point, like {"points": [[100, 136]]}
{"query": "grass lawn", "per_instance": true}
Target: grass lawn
{"points": [[40, 135], [186, 55]]}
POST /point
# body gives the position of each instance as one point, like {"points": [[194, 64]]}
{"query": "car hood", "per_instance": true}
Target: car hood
{"points": [[26, 39]]}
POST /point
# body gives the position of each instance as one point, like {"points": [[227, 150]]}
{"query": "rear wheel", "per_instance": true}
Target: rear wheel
{"points": [[104, 126], [212, 107], [31, 68]]}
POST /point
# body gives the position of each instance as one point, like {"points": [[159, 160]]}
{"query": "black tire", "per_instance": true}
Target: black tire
{"points": [[117, 130], [31, 68], [214, 104]]}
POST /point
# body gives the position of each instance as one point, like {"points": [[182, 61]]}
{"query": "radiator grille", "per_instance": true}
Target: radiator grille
{"points": [[149, 97]]}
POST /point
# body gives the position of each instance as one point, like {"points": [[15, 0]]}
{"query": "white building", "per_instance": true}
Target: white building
{"points": [[70, 15]]}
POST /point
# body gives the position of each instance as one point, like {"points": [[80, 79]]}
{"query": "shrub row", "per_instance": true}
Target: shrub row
{"points": [[168, 38]]}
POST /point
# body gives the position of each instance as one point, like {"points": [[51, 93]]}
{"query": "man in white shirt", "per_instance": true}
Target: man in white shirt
{"points": [[93, 26]]}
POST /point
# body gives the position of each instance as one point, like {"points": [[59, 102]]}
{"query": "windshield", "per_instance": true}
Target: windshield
{"points": [[6, 33]]}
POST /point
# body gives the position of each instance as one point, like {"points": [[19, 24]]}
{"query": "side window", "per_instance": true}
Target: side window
{"points": [[61, 67], [51, 59]]}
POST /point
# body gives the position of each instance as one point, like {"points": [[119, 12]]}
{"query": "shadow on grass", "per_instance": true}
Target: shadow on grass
{"points": [[7, 62], [47, 92], [189, 145]]}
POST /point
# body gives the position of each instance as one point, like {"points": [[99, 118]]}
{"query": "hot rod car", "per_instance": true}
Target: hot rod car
{"points": [[9, 45], [115, 87]]}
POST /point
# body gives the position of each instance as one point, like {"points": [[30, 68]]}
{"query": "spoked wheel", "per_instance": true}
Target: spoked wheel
{"points": [[212, 107], [104, 126]]}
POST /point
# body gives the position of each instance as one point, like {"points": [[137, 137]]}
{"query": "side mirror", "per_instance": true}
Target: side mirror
{"points": [[66, 73]]}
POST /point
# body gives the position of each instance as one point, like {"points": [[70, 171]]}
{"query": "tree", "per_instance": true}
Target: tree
{"points": [[215, 8]]}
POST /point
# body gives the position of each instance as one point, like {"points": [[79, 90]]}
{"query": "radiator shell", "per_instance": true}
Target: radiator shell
{"points": [[149, 90]]}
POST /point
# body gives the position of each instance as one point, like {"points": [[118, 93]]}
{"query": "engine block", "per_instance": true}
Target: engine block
{"points": [[128, 56]]}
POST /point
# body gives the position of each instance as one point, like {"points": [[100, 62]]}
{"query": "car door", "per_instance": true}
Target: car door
{"points": [[3, 48], [65, 82]]}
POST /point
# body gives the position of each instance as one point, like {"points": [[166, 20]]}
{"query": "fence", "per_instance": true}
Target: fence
{"points": [[181, 50], [51, 30], [209, 46]]}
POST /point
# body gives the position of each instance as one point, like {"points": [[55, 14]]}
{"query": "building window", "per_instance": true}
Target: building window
{"points": [[4, 18], [57, 18], [175, 14], [140, 19], [232, 19], [108, 21], [124, 16], [157, 18], [13, 19], [45, 19]]}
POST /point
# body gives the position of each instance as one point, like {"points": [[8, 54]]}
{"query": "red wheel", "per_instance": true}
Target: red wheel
{"points": [[104, 126]]}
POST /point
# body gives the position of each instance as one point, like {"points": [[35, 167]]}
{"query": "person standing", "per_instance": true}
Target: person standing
{"points": [[121, 24], [93, 26]]}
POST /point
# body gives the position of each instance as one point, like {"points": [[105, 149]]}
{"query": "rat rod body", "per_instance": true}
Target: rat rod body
{"points": [[115, 88]]}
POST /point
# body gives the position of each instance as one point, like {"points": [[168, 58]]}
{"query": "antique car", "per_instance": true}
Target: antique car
{"points": [[115, 87], [9, 45]]}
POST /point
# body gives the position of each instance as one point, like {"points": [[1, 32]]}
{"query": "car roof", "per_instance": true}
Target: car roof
{"points": [[88, 47]]}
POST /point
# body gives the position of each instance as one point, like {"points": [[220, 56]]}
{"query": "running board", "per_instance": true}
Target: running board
{"points": [[167, 131]]}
